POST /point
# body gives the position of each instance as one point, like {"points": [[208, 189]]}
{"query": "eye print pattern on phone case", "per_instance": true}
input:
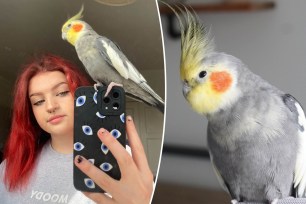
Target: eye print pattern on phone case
{"points": [[88, 120]]}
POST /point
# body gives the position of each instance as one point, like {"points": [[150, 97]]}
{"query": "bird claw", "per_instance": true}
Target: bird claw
{"points": [[110, 86], [234, 201], [96, 86]]}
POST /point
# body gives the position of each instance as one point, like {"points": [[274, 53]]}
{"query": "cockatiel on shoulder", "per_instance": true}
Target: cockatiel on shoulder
{"points": [[256, 132], [106, 63]]}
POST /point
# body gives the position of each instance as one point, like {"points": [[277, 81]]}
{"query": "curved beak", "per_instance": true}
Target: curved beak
{"points": [[186, 89], [64, 36]]}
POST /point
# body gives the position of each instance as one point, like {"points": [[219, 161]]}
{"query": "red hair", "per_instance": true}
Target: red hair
{"points": [[26, 138]]}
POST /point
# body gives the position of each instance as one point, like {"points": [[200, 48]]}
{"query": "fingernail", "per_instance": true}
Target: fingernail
{"points": [[102, 131], [79, 159], [129, 118]]}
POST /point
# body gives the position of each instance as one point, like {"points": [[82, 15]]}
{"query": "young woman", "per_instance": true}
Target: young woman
{"points": [[37, 164]]}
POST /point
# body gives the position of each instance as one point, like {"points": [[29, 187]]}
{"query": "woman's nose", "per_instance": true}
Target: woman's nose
{"points": [[51, 105]]}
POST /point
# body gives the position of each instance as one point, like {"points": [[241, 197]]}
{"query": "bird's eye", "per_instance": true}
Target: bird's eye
{"points": [[69, 25], [87, 129], [202, 74], [80, 101], [78, 146], [89, 183]]}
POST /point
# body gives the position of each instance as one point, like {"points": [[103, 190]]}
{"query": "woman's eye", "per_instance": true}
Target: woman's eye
{"points": [[78, 146], [38, 103], [116, 133], [106, 166], [64, 93], [80, 101], [87, 129], [89, 183]]}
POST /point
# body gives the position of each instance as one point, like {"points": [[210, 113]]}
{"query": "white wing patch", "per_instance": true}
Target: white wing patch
{"points": [[116, 60], [219, 177], [128, 71], [134, 74], [300, 167]]}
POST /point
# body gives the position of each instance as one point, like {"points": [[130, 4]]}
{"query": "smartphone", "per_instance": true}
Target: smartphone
{"points": [[91, 112]]}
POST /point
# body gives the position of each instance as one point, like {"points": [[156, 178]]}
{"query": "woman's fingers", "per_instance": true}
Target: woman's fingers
{"points": [[97, 175], [138, 152], [123, 158]]}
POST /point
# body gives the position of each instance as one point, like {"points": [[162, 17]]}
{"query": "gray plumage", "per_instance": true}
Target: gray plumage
{"points": [[254, 142]]}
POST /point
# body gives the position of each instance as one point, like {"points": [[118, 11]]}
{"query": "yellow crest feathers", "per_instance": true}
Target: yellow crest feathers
{"points": [[196, 41], [77, 16]]}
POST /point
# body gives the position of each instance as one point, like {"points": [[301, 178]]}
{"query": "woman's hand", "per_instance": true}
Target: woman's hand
{"points": [[136, 183]]}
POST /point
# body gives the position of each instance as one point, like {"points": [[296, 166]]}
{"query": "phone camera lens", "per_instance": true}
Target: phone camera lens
{"points": [[106, 100], [115, 94], [115, 106]]}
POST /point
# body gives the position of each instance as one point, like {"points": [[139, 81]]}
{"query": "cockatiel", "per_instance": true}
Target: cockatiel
{"points": [[106, 63], [256, 133]]}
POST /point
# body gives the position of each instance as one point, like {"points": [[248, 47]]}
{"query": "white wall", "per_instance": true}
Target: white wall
{"points": [[272, 43]]}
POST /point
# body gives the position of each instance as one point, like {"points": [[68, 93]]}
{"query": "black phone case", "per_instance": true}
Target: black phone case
{"points": [[91, 112]]}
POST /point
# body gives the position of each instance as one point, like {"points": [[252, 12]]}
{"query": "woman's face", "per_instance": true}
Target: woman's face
{"points": [[52, 102]]}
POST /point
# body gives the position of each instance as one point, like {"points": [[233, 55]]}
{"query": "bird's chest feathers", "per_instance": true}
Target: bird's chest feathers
{"points": [[86, 52], [72, 38], [84, 45]]}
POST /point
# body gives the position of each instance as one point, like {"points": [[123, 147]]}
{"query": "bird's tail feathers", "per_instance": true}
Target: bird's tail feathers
{"points": [[158, 104], [148, 89]]}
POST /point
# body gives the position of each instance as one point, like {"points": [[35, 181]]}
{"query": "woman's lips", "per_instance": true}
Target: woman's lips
{"points": [[56, 119]]}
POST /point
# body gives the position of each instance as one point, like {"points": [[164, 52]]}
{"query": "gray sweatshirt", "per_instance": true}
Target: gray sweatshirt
{"points": [[51, 182]]}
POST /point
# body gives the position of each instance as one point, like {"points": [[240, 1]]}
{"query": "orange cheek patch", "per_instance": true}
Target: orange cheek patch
{"points": [[221, 81], [77, 27]]}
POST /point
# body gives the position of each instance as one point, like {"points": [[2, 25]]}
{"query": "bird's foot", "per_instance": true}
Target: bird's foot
{"points": [[274, 201], [110, 86], [234, 201], [96, 86]]}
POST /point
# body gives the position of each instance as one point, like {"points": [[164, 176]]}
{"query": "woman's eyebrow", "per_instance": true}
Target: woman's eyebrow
{"points": [[54, 87], [59, 84]]}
